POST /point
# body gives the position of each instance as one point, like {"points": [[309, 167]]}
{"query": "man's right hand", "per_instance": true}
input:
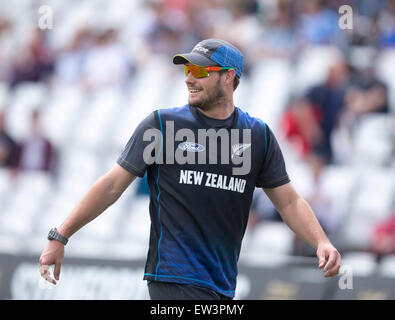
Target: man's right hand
{"points": [[52, 254], [104, 192]]}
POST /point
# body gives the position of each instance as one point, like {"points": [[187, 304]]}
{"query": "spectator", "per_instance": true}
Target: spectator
{"points": [[8, 147], [320, 110], [7, 49], [278, 39], [382, 239], [241, 28], [386, 25], [106, 63], [34, 62], [299, 124], [70, 60], [168, 27], [318, 24], [205, 16], [37, 152], [366, 94]]}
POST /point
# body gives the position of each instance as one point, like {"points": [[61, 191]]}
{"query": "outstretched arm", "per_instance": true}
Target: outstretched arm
{"points": [[103, 193], [298, 215]]}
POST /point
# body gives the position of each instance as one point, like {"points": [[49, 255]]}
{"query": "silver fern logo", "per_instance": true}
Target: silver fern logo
{"points": [[239, 148]]}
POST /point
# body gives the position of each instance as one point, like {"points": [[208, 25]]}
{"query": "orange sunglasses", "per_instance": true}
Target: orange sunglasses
{"points": [[202, 72]]}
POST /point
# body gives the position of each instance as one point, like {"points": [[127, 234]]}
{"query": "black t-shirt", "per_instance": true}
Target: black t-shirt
{"points": [[201, 188], [216, 123]]}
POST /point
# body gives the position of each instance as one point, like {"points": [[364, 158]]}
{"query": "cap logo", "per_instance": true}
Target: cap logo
{"points": [[200, 48]]}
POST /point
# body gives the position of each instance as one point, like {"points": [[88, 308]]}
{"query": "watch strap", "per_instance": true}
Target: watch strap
{"points": [[55, 235]]}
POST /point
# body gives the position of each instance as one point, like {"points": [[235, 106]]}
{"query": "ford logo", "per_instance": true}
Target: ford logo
{"points": [[191, 146]]}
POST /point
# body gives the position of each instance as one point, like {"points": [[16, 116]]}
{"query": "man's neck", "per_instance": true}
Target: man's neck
{"points": [[219, 111]]}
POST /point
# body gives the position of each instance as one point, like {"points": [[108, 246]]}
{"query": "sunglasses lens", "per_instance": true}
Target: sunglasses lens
{"points": [[197, 71]]}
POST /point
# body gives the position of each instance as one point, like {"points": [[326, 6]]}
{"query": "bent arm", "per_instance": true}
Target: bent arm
{"points": [[298, 215], [103, 193]]}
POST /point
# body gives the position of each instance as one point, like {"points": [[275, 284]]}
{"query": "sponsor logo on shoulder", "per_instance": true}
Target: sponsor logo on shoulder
{"points": [[239, 148], [191, 147]]}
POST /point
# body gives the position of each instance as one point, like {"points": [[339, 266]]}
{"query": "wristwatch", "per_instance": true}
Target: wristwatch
{"points": [[55, 235]]}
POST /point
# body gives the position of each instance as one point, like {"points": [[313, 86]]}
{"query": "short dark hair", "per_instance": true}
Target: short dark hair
{"points": [[236, 80]]}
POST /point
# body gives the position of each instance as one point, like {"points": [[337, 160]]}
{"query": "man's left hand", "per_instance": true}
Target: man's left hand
{"points": [[329, 259]]}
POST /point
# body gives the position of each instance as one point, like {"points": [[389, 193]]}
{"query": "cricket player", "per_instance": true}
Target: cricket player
{"points": [[203, 161]]}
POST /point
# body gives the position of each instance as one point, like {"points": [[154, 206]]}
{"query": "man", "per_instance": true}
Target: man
{"points": [[200, 190], [37, 152], [8, 147]]}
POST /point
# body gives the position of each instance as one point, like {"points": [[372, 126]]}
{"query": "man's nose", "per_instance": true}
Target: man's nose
{"points": [[190, 78]]}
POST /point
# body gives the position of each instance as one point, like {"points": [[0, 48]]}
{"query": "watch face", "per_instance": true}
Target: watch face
{"points": [[52, 234]]}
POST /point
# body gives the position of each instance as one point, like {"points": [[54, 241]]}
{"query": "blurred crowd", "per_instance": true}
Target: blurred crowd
{"points": [[97, 57], [35, 152]]}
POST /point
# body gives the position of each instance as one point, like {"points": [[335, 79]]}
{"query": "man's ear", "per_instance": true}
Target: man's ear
{"points": [[230, 76]]}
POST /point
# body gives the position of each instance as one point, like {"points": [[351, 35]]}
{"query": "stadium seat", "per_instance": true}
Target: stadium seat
{"points": [[105, 227], [369, 204], [178, 95], [373, 140], [3, 95], [5, 184], [375, 201], [141, 104], [269, 90], [25, 204], [268, 244], [25, 98], [61, 113], [361, 263], [136, 225], [387, 266], [96, 118], [301, 177], [312, 66], [385, 68], [339, 183]]}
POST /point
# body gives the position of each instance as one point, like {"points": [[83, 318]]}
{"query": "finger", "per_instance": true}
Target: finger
{"points": [[321, 260], [333, 273], [49, 279], [336, 267], [43, 269], [46, 273], [331, 261], [57, 270]]}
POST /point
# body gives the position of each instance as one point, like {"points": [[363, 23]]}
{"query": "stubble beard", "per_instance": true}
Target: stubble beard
{"points": [[213, 97]]}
